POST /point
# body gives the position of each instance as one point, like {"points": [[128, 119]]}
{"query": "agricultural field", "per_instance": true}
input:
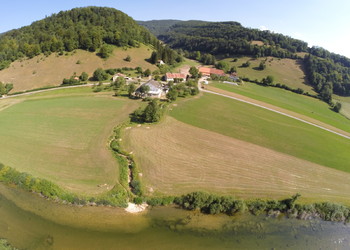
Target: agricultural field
{"points": [[41, 71], [285, 71], [265, 128], [177, 158], [306, 106], [62, 136], [185, 66]]}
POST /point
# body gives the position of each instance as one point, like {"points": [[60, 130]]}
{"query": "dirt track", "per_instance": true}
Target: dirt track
{"points": [[291, 114]]}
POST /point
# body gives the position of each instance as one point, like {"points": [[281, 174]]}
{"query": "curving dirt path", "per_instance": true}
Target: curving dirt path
{"points": [[281, 111]]}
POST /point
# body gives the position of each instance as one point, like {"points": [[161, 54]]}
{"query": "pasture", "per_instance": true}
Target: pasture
{"points": [[42, 71], [265, 128], [304, 105], [177, 158], [285, 71], [62, 136]]}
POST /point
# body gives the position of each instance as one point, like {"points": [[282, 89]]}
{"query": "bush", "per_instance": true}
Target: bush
{"points": [[151, 113], [257, 207], [160, 201], [136, 187], [84, 77], [246, 64], [105, 51], [138, 200], [337, 107], [128, 58], [5, 88], [100, 75]]}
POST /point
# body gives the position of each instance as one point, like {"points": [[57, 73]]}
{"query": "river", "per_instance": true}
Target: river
{"points": [[31, 222]]}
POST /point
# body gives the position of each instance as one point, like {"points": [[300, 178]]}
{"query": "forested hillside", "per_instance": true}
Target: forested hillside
{"points": [[230, 38], [327, 72], [89, 28], [158, 27]]}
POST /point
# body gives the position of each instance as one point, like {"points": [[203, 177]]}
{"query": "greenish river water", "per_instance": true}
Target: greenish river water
{"points": [[31, 222]]}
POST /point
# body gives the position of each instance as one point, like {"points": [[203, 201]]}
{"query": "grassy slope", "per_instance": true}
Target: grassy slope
{"points": [[63, 138], [43, 71], [294, 102], [177, 158], [185, 65], [345, 101], [285, 71], [265, 128]]}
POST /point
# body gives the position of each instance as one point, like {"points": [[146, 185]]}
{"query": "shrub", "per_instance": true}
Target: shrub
{"points": [[136, 187], [337, 107], [138, 200], [100, 75]]}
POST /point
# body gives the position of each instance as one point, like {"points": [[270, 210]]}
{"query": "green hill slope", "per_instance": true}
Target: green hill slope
{"points": [[42, 71], [95, 30], [81, 28]]}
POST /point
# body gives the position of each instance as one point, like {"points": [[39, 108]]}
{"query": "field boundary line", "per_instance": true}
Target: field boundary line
{"points": [[276, 111]]}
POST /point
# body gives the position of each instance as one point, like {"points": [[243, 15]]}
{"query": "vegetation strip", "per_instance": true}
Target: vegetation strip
{"points": [[204, 202], [279, 112], [213, 204], [5, 245], [49, 190]]}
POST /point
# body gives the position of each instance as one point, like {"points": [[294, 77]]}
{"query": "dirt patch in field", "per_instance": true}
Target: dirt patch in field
{"points": [[176, 158]]}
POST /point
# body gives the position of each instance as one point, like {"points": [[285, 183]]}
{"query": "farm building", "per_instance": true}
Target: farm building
{"points": [[160, 62], [118, 75], [155, 89], [234, 76], [173, 76], [211, 71]]}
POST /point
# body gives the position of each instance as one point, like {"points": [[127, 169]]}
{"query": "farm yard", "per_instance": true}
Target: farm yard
{"points": [[62, 136]]}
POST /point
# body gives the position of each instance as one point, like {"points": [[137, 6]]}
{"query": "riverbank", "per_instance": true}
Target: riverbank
{"points": [[46, 225]]}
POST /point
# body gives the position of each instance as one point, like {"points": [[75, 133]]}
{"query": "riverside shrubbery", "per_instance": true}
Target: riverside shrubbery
{"points": [[115, 197], [214, 204]]}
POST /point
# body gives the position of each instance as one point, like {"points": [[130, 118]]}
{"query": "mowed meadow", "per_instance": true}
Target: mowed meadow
{"points": [[220, 145], [62, 136], [42, 71], [306, 106], [285, 71]]}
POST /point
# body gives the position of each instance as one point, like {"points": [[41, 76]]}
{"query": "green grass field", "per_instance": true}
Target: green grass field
{"points": [[285, 71], [301, 104], [265, 128], [63, 136]]}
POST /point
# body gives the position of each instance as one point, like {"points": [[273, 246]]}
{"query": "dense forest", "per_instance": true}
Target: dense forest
{"points": [[327, 77], [158, 27], [87, 28], [230, 38]]}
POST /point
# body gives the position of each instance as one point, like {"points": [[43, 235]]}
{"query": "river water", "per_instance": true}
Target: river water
{"points": [[31, 222]]}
